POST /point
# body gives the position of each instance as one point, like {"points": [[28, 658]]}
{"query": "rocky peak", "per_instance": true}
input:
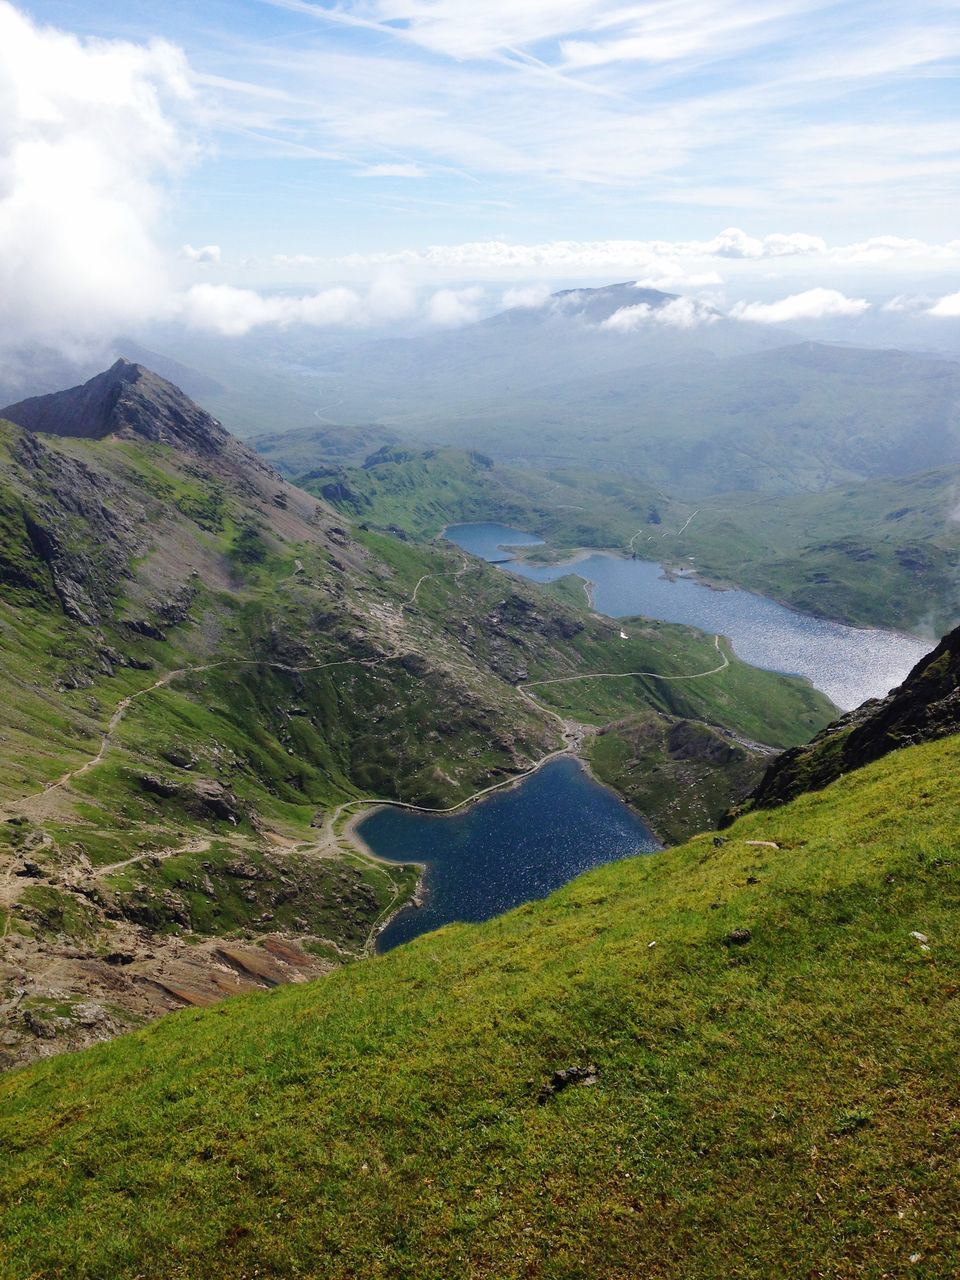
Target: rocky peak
{"points": [[125, 400]]}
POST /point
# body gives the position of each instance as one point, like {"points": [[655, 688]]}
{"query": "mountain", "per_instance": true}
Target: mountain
{"points": [[203, 664], [670, 1067], [36, 371], [735, 1058], [126, 401], [653, 386], [924, 708], [294, 453]]}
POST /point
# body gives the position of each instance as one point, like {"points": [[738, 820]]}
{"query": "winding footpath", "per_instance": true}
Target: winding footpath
{"points": [[571, 730], [329, 838], [654, 675], [453, 573]]}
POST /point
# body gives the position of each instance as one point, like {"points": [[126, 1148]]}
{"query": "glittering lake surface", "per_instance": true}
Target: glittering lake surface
{"points": [[517, 844], [848, 664]]}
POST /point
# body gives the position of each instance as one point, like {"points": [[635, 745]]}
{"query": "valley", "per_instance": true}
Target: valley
{"points": [[260, 735], [875, 554], [209, 668], [479, 640]]}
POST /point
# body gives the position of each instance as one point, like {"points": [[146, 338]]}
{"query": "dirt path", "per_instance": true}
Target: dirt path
{"points": [[330, 838], [453, 573], [570, 729], [35, 800], [620, 675], [632, 544], [200, 844]]}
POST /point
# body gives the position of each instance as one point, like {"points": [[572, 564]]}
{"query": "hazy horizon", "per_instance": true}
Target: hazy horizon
{"points": [[401, 164]]}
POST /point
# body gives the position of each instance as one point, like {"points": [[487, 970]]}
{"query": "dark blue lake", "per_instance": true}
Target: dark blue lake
{"points": [[518, 844], [848, 664]]}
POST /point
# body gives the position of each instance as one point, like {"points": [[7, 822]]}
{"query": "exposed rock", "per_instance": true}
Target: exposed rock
{"points": [[43, 1028], [738, 937], [126, 400], [244, 870], [925, 707], [562, 1079], [213, 799], [158, 786]]}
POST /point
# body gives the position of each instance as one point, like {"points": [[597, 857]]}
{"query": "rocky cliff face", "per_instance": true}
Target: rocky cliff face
{"points": [[125, 400], [926, 706]]}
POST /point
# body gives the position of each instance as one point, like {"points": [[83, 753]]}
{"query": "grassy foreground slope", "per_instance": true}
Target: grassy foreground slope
{"points": [[775, 1095]]}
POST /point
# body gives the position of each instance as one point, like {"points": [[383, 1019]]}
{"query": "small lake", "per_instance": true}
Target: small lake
{"points": [[492, 542], [848, 664], [517, 844]]}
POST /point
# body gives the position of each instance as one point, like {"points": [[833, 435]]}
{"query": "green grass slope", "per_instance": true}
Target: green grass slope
{"points": [[774, 1046]]}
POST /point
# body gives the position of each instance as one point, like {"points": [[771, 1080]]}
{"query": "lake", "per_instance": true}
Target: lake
{"points": [[517, 844], [848, 664]]}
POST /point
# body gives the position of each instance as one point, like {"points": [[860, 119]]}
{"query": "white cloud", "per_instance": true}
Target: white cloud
{"points": [[392, 171], [531, 296], [225, 309], [658, 263], [812, 304], [90, 132], [676, 277], [905, 302], [947, 306], [680, 313], [450, 308], [206, 254]]}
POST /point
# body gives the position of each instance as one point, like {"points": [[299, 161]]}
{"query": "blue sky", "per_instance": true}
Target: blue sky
{"points": [[562, 120], [313, 143]]}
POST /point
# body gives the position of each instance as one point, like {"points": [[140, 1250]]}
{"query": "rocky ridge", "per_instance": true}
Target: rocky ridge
{"points": [[925, 707], [127, 401]]}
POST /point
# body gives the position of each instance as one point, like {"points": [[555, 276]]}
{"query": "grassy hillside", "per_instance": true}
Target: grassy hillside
{"points": [[759, 1038]]}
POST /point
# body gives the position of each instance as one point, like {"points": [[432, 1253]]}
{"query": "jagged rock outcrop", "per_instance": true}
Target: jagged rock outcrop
{"points": [[125, 400], [926, 706], [73, 508]]}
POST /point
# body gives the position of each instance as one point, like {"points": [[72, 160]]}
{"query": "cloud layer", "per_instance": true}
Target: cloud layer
{"points": [[90, 133], [564, 257], [95, 135]]}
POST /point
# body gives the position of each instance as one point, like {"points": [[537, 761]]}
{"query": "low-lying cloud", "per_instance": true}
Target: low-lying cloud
{"points": [[206, 254], [646, 257], [680, 313], [451, 308], [812, 304], [948, 306]]}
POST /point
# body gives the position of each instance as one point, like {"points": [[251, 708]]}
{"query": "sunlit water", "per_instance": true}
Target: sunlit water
{"points": [[848, 664], [517, 844]]}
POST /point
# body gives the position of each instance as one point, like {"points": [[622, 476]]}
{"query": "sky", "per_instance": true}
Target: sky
{"points": [[375, 158]]}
